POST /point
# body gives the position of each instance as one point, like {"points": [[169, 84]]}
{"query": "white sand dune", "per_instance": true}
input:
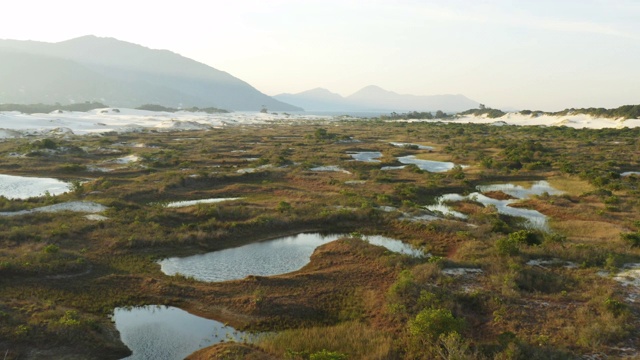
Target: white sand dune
{"points": [[14, 124], [75, 206], [578, 121]]}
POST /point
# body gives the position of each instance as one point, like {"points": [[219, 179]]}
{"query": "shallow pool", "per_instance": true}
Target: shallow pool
{"points": [[167, 333], [428, 165], [520, 191], [177, 204], [21, 187], [366, 156], [266, 258], [535, 219]]}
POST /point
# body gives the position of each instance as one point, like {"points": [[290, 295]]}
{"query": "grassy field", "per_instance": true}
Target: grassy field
{"points": [[61, 274]]}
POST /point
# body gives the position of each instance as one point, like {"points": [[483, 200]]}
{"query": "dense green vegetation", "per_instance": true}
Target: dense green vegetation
{"points": [[423, 115], [61, 274], [491, 113]]}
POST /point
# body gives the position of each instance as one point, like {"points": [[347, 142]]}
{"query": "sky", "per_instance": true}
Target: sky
{"points": [[538, 54]]}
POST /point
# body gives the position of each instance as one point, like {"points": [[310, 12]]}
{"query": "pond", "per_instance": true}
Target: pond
{"points": [[266, 258], [161, 332], [331, 168], [21, 187], [441, 206], [520, 191], [427, 165], [178, 204], [366, 156], [535, 219]]}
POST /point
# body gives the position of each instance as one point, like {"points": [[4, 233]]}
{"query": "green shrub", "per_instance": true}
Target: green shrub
{"points": [[327, 355], [507, 246], [432, 322], [51, 249], [525, 237], [633, 239]]}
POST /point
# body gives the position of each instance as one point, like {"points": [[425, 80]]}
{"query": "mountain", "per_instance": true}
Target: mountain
{"points": [[120, 74], [374, 98], [318, 99]]}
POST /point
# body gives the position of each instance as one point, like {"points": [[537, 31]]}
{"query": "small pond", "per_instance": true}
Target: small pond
{"points": [[427, 165], [331, 168], [366, 156], [21, 187], [440, 205], [167, 333], [273, 257], [177, 204], [393, 167], [521, 192], [535, 219]]}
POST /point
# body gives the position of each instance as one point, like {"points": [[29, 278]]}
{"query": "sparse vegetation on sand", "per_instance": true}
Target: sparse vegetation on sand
{"points": [[492, 289]]}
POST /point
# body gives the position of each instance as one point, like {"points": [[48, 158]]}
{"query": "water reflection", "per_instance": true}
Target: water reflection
{"points": [[176, 204], [521, 192], [535, 219], [428, 165], [273, 257], [161, 332], [21, 187], [366, 156]]}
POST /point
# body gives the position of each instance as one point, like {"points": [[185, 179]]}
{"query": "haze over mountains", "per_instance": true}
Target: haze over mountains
{"points": [[119, 74], [122, 74], [374, 98]]}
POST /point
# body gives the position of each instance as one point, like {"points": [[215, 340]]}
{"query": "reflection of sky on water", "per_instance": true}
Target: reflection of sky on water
{"points": [[21, 187], [521, 192], [167, 333], [185, 203], [273, 257], [366, 156], [428, 165], [535, 219]]}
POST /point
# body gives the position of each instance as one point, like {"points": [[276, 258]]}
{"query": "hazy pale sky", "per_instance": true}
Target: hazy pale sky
{"points": [[537, 54]]}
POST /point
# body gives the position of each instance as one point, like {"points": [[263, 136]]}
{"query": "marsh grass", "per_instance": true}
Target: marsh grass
{"points": [[120, 253], [354, 339]]}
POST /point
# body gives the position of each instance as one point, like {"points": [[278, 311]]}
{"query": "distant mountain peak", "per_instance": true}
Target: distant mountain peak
{"points": [[375, 98], [318, 90], [372, 88]]}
